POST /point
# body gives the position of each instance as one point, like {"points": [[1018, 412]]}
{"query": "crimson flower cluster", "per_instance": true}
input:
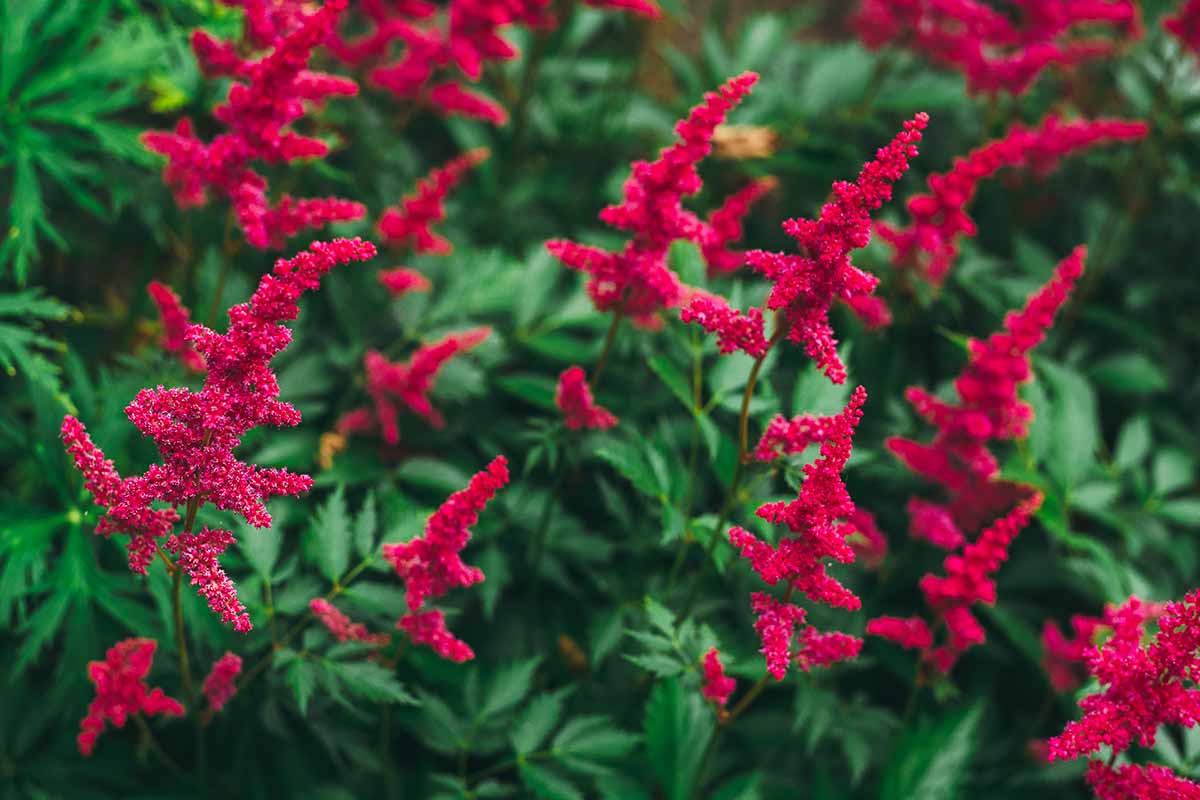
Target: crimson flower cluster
{"points": [[1065, 659], [121, 691], [929, 245], [267, 96], [197, 432], [408, 224], [342, 628], [1143, 686], [994, 54], [1184, 24], [390, 384], [579, 409], [717, 685], [431, 564], [175, 321], [959, 460], [443, 50], [220, 685], [799, 560], [805, 286]]}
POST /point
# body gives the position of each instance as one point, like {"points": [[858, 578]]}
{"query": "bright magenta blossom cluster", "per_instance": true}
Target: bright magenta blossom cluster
{"points": [[993, 53], [989, 409], [399, 281], [408, 224], [929, 245], [432, 564], [197, 432], [805, 286], [1184, 24], [1065, 660], [220, 685], [579, 409], [121, 690], [444, 50], [342, 628], [267, 96], [409, 383], [175, 321], [725, 227], [637, 281], [799, 560], [717, 685], [1144, 686]]}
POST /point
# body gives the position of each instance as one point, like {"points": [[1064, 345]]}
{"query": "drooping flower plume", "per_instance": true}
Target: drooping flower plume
{"points": [[1065, 659], [399, 281], [197, 433], [175, 321], [121, 691], [799, 561], [268, 95], [929, 244], [220, 685], [431, 564], [717, 685], [579, 409], [340, 625], [409, 223], [725, 227]]}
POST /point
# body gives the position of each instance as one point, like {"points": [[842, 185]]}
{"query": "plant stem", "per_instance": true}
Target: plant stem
{"points": [[693, 458], [542, 532], [605, 350], [153, 746], [228, 248], [181, 640]]}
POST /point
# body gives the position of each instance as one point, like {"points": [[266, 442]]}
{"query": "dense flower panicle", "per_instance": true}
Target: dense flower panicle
{"points": [[717, 686], [1065, 660], [929, 245], [735, 330], [408, 224], [868, 542], [431, 564], [267, 96], [399, 281], [579, 409], [637, 281], [993, 53], [198, 556], [911, 633], [784, 437], [933, 523], [725, 227], [873, 312], [221, 682], [645, 8], [409, 383], [197, 432], [1144, 685], [342, 628], [121, 690], [800, 559], [1184, 24], [805, 286], [175, 321]]}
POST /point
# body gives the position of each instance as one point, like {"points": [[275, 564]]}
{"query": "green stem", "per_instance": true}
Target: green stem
{"points": [[228, 248], [185, 670], [605, 350], [151, 743]]}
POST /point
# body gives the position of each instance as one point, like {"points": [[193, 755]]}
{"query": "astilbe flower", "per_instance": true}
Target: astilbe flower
{"points": [[799, 560], [197, 432], [175, 321], [929, 245], [409, 383], [725, 227], [442, 51], [735, 330], [805, 286], [1065, 660], [408, 224], [267, 96], [994, 54], [121, 691], [342, 628], [1184, 24], [1143, 686], [579, 409], [933, 523], [431, 564], [868, 542], [220, 685], [717, 686], [637, 281], [399, 281]]}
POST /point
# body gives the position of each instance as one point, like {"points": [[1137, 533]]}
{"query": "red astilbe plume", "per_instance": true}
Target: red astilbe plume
{"points": [[637, 281], [399, 281], [579, 409], [1184, 24], [121, 691], [1143, 686], [1065, 660], [805, 286], [994, 53], [197, 432], [799, 560], [267, 96], [644, 8], [725, 227], [220, 685], [175, 321], [408, 224], [929, 245], [911, 633], [408, 383], [342, 628], [717, 686], [431, 564], [735, 330]]}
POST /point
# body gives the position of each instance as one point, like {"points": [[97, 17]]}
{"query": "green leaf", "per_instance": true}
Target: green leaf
{"points": [[626, 459], [1075, 434], [1131, 373], [1185, 512], [301, 676], [660, 665], [1172, 470], [534, 389], [673, 379], [933, 760], [549, 785], [686, 260], [260, 547], [508, 687], [1133, 443], [331, 531], [678, 727], [660, 616], [371, 681], [538, 719], [594, 738], [364, 527]]}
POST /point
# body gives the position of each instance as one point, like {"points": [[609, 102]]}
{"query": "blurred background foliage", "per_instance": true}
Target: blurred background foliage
{"points": [[585, 683]]}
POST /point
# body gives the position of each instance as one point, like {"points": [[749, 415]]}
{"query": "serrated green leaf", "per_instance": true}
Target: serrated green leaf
{"points": [[678, 727], [371, 681], [932, 761], [1133, 443], [594, 738], [508, 687], [539, 718], [301, 677], [364, 527], [331, 530], [548, 785]]}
